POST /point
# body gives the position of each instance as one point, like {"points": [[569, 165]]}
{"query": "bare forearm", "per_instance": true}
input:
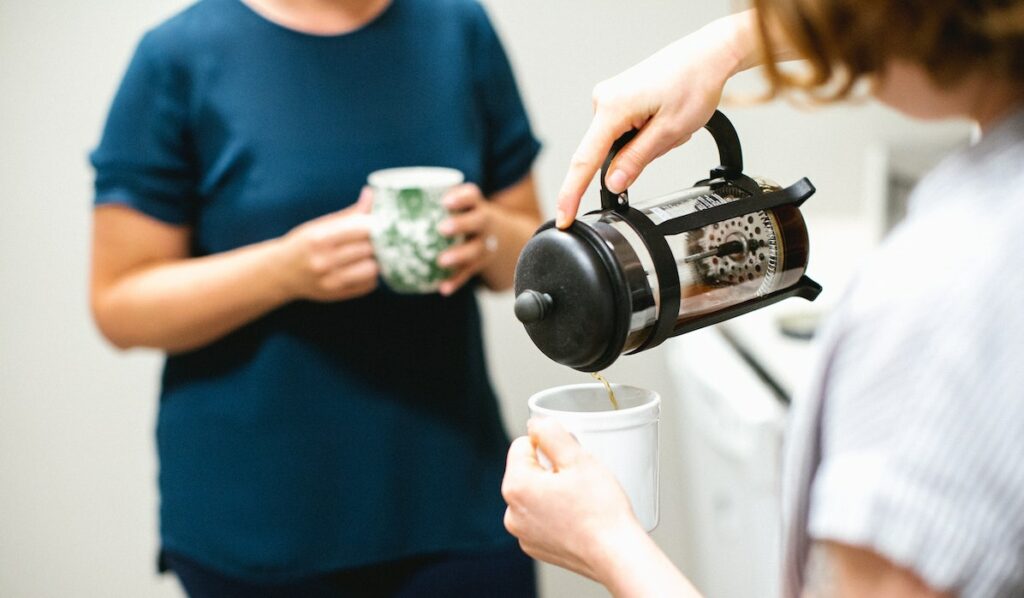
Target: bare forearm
{"points": [[740, 32], [185, 304], [632, 565], [512, 229]]}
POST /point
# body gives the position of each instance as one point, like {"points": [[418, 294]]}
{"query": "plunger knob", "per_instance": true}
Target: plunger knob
{"points": [[531, 306]]}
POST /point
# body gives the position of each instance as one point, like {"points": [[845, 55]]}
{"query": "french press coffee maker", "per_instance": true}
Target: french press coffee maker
{"points": [[625, 278]]}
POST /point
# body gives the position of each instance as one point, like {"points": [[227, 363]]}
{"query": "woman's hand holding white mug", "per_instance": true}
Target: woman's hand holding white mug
{"points": [[567, 514], [577, 516], [330, 258]]}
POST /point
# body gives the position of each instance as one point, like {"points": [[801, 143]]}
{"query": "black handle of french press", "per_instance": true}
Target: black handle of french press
{"points": [[609, 200], [730, 156]]}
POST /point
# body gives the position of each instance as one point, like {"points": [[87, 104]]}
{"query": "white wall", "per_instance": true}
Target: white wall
{"points": [[77, 468]]}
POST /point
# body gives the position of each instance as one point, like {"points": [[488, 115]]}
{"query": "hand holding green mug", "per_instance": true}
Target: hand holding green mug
{"points": [[407, 210], [430, 231]]}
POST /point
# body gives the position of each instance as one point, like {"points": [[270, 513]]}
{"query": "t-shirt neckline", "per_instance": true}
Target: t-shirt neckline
{"points": [[267, 21]]}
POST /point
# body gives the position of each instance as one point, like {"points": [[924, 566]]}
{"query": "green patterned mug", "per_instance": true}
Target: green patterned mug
{"points": [[406, 211]]}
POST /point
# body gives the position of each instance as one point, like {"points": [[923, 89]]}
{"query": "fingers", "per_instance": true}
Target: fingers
{"points": [[358, 290], [466, 259], [515, 485], [522, 457], [341, 228], [557, 443], [348, 253], [656, 138], [357, 276], [458, 279], [585, 162], [462, 197], [463, 254], [466, 223], [465, 202]]}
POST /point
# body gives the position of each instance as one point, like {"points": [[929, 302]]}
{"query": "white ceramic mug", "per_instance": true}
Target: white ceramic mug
{"points": [[406, 211], [624, 440]]}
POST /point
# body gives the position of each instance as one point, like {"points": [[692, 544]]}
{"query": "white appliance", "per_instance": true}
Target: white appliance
{"points": [[731, 430]]}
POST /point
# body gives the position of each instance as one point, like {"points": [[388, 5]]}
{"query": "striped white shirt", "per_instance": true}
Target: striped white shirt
{"points": [[910, 439]]}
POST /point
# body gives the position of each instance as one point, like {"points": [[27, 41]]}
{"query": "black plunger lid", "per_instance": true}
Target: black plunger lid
{"points": [[571, 297]]}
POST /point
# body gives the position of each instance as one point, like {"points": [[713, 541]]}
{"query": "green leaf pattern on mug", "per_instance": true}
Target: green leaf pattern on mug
{"points": [[406, 240]]}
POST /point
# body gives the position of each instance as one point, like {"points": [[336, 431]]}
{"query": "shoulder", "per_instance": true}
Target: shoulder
{"points": [[448, 8], [171, 42], [468, 15], [952, 265], [462, 26], [937, 306]]}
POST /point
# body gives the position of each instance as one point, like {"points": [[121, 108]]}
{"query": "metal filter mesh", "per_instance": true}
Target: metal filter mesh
{"points": [[758, 265]]}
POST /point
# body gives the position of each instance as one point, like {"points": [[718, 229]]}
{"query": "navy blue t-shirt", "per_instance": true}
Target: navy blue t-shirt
{"points": [[322, 436]]}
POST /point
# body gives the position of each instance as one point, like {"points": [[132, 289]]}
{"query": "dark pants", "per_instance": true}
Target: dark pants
{"points": [[504, 573]]}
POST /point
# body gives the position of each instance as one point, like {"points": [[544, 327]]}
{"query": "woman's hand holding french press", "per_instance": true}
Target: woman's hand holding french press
{"points": [[668, 97], [330, 258]]}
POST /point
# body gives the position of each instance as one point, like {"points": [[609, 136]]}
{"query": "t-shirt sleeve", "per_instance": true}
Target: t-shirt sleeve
{"points": [[144, 158], [923, 439], [510, 144]]}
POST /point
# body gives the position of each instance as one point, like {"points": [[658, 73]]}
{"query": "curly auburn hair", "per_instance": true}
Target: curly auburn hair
{"points": [[845, 41]]}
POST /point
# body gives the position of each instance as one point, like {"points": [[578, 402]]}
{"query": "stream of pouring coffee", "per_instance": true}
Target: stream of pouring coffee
{"points": [[608, 387]]}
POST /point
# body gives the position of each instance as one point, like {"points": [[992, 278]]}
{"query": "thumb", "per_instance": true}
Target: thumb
{"points": [[364, 205], [555, 441]]}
